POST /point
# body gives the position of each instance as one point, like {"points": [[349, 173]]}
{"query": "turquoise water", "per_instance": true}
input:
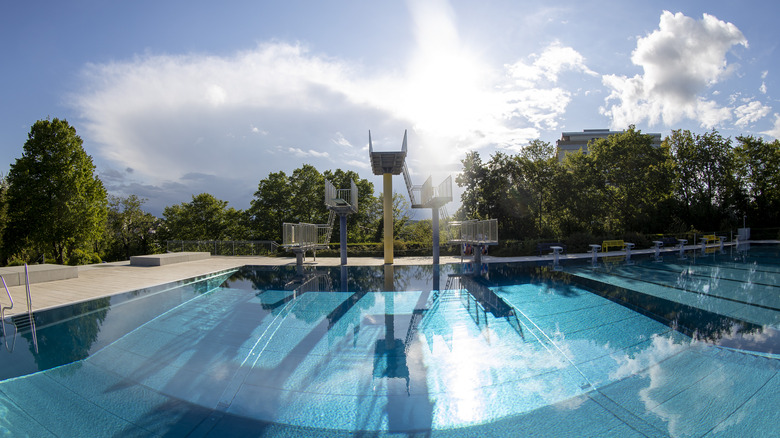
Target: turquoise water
{"points": [[515, 350]]}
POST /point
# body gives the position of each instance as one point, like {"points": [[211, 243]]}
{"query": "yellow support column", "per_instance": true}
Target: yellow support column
{"points": [[387, 164], [387, 206]]}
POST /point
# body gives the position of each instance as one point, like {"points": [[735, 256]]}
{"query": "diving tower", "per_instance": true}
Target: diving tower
{"points": [[341, 202], [387, 164], [302, 237], [435, 198]]}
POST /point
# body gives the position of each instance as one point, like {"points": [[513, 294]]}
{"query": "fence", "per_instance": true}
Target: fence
{"points": [[225, 247]]}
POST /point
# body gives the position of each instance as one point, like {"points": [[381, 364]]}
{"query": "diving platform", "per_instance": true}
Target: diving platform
{"points": [[387, 164], [302, 237], [474, 236], [341, 202], [475, 232], [428, 196]]}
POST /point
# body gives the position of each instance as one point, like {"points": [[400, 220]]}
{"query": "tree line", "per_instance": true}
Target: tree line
{"points": [[624, 184], [54, 207]]}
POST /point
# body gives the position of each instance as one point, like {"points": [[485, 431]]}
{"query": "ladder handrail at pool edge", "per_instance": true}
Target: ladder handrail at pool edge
{"points": [[29, 313]]}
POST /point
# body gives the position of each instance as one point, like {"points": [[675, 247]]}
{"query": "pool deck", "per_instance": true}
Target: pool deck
{"points": [[100, 280]]}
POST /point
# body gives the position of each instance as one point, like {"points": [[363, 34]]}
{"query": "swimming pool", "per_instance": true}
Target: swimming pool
{"points": [[671, 348]]}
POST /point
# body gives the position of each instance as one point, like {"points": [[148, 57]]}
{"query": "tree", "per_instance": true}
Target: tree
{"points": [[758, 169], [205, 218], [308, 196], [3, 206], [130, 231], [704, 177], [578, 196], [400, 217], [636, 178], [56, 203], [300, 198], [471, 178], [538, 166], [271, 207]]}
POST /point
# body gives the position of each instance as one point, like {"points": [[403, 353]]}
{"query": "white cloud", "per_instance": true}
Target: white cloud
{"points": [[554, 59], [246, 114], [310, 153], [775, 131], [340, 140], [681, 60], [762, 88], [750, 113]]}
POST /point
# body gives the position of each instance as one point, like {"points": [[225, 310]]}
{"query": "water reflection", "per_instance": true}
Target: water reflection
{"points": [[385, 349], [71, 333]]}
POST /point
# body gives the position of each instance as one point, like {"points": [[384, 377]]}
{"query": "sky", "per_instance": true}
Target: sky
{"points": [[177, 98]]}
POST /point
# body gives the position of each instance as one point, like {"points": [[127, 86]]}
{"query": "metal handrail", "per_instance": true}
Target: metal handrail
{"points": [[29, 309], [2, 315], [29, 314], [411, 188]]}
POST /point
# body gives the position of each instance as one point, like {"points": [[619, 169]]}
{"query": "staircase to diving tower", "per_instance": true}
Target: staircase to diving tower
{"points": [[435, 198]]}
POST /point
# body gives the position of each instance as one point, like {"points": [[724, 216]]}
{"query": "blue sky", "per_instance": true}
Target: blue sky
{"points": [[177, 98]]}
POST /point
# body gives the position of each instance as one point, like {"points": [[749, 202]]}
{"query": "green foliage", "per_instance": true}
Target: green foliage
{"points": [[56, 203], [3, 206], [299, 198], [417, 231], [580, 242], [705, 183], [81, 257], [624, 186], [205, 218], [129, 230], [634, 177], [758, 171], [271, 207]]}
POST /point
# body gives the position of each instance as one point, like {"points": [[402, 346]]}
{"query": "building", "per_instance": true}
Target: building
{"points": [[574, 141]]}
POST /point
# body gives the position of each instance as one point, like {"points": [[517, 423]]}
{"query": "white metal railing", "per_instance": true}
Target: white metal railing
{"points": [[324, 233], [427, 192], [476, 232], [341, 197], [411, 188], [353, 199], [299, 235], [330, 194], [429, 196], [444, 190]]}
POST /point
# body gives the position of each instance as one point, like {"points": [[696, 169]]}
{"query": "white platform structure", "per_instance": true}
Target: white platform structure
{"points": [[476, 235], [428, 196], [302, 237]]}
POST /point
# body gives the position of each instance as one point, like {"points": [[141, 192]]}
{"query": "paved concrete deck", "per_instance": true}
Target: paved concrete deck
{"points": [[95, 281]]}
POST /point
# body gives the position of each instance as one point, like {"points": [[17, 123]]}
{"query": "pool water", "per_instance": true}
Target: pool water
{"points": [[671, 348]]}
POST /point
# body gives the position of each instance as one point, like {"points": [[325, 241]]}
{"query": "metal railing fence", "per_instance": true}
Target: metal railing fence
{"points": [[224, 247]]}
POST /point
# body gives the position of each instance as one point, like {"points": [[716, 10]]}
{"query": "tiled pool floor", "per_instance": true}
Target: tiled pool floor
{"points": [[326, 363]]}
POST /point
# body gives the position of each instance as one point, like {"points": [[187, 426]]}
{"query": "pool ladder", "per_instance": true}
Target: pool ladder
{"points": [[18, 321]]}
